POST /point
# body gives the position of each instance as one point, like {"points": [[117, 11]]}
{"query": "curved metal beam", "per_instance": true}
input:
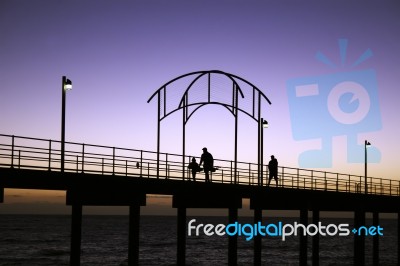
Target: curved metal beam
{"points": [[204, 72], [205, 103]]}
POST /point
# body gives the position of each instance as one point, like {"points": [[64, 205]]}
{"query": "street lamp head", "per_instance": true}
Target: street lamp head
{"points": [[68, 85], [264, 123], [367, 144]]}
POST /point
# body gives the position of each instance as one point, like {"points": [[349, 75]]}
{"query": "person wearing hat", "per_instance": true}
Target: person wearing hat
{"points": [[208, 160], [273, 169]]}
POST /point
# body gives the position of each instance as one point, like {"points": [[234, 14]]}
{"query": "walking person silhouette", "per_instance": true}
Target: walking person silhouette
{"points": [[208, 160], [273, 170]]}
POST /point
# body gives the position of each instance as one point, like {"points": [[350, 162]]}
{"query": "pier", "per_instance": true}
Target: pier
{"points": [[96, 175]]}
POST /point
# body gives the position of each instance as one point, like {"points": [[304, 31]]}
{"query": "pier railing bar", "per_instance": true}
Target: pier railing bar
{"points": [[41, 154]]}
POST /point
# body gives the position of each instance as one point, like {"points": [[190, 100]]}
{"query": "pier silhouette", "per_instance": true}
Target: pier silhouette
{"points": [[97, 175]]}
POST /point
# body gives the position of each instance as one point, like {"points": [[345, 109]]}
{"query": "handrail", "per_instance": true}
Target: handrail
{"points": [[41, 154]]}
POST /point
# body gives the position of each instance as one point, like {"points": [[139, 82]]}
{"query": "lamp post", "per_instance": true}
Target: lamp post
{"points": [[366, 145], [65, 86], [262, 124]]}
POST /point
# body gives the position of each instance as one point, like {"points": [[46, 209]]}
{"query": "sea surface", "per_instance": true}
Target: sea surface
{"points": [[45, 240]]}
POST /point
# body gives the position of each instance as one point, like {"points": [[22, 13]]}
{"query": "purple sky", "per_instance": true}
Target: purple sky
{"points": [[117, 55]]}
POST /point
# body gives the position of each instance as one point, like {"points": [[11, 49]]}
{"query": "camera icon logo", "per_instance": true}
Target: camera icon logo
{"points": [[344, 103]]}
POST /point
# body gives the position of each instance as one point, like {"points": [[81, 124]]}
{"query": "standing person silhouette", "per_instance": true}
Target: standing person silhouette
{"points": [[208, 160], [194, 166], [273, 170]]}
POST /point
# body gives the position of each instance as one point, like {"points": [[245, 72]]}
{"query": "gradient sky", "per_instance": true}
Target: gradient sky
{"points": [[117, 54]]}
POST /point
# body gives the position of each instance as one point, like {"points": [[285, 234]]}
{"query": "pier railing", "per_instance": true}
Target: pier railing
{"points": [[41, 154]]}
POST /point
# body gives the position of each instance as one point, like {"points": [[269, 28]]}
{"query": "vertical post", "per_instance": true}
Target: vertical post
{"points": [[375, 243], [1, 194], [359, 243], [303, 236], [312, 180], [262, 151], [257, 238], [134, 225], [141, 162], [231, 172], [337, 182], [63, 93], [315, 240], [259, 140], [236, 130], [158, 135], [77, 164], [50, 155], [12, 151], [113, 162], [184, 137], [181, 250], [76, 234], [251, 180], [83, 157], [232, 244], [166, 166], [398, 238], [365, 167]]}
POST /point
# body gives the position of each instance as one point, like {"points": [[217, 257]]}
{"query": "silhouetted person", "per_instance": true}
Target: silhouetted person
{"points": [[273, 169], [195, 167], [208, 160]]}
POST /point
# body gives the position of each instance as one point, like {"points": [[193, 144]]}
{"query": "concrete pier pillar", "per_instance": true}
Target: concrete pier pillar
{"points": [[134, 230], [359, 240], [181, 249], [76, 235], [315, 240], [257, 238], [232, 245], [398, 238], [375, 240], [303, 238]]}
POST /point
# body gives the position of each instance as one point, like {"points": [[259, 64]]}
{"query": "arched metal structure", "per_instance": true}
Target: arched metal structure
{"points": [[203, 80]]}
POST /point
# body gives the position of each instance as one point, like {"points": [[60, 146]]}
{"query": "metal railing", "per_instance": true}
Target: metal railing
{"points": [[41, 154]]}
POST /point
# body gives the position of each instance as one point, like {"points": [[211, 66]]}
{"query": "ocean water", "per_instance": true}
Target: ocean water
{"points": [[45, 240]]}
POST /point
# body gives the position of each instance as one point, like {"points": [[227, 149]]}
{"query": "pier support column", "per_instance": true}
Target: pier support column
{"points": [[181, 249], [76, 235], [232, 245], [398, 238], [375, 240], [315, 240], [359, 240], [134, 225], [257, 238], [303, 238]]}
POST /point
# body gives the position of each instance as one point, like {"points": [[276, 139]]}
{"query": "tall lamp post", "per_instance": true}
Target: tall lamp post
{"points": [[262, 124], [65, 86], [366, 145]]}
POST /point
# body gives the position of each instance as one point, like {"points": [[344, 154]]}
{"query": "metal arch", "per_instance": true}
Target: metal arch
{"points": [[202, 72], [184, 105]]}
